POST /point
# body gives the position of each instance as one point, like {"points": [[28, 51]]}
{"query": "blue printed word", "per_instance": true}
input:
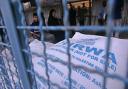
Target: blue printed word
{"points": [[95, 51]]}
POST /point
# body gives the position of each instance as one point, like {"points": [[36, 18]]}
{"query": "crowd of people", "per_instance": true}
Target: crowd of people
{"points": [[116, 15], [77, 16], [53, 20]]}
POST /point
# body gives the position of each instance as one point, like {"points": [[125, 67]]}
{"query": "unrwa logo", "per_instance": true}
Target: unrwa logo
{"points": [[95, 51]]}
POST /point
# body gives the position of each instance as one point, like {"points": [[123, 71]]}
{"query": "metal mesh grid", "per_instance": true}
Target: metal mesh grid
{"points": [[24, 51], [8, 68]]}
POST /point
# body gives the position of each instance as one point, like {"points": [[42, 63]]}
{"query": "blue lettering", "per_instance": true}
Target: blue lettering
{"points": [[96, 82], [111, 56], [95, 50], [80, 47]]}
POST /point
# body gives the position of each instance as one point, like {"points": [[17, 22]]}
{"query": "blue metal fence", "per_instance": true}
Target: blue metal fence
{"points": [[18, 45]]}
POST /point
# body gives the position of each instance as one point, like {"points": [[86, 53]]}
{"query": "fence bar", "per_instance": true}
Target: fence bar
{"points": [[5, 6], [75, 28], [23, 36], [41, 23], [67, 32], [109, 30]]}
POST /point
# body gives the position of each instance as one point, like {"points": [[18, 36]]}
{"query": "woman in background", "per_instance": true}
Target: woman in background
{"points": [[54, 21]]}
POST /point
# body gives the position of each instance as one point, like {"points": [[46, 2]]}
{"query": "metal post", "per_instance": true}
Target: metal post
{"points": [[8, 17], [22, 35]]}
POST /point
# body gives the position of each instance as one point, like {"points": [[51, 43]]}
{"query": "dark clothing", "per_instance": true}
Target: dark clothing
{"points": [[2, 34], [59, 35], [101, 22], [102, 16], [72, 17], [43, 19], [52, 21], [34, 24], [81, 15], [36, 34], [117, 9], [72, 20]]}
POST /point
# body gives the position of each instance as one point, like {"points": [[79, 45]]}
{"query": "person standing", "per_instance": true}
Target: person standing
{"points": [[54, 21], [81, 13], [117, 13], [72, 15], [72, 18], [102, 16], [35, 32]]}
